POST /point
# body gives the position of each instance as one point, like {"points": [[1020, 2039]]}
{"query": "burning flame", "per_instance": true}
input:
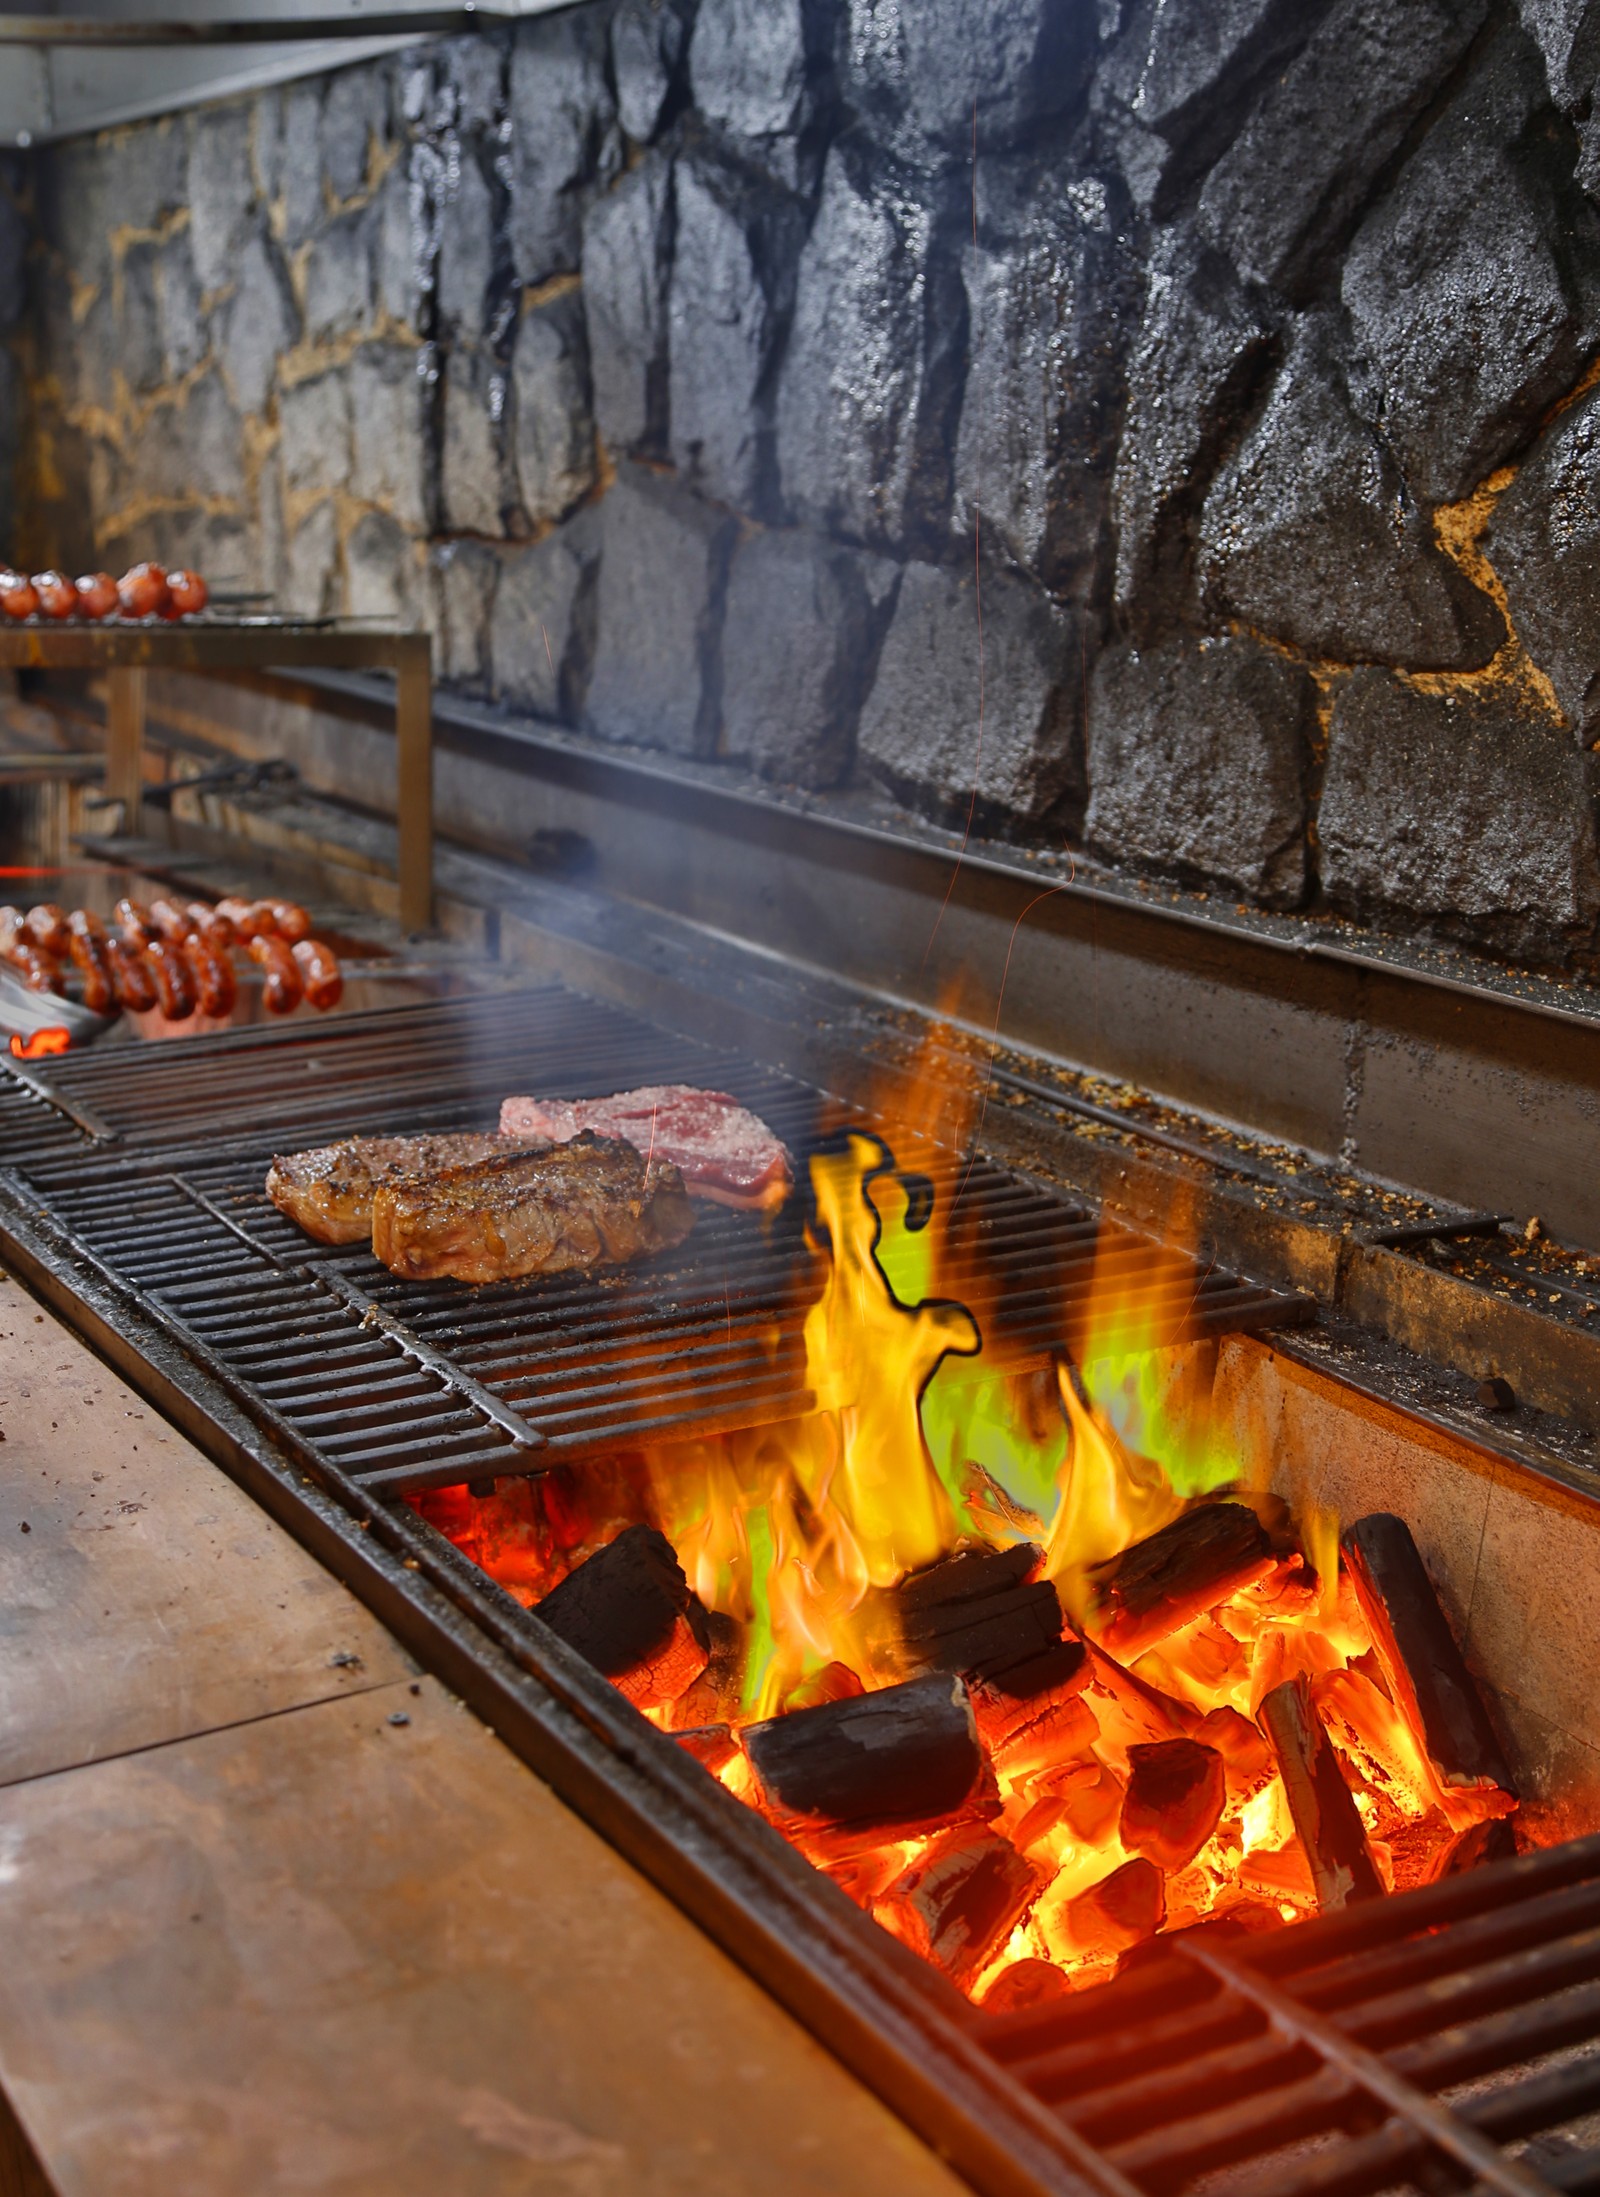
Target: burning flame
{"points": [[41, 1044], [921, 1440]]}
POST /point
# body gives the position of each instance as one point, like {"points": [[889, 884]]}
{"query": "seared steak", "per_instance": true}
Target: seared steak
{"points": [[328, 1191], [722, 1150], [531, 1210]]}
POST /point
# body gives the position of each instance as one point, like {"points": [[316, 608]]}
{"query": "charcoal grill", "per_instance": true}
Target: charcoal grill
{"points": [[130, 1197]]}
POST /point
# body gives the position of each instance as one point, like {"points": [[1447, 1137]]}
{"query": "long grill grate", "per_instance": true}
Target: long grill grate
{"points": [[1437, 2041], [154, 1159]]}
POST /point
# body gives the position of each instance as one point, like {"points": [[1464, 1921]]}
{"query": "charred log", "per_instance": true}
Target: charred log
{"points": [[1426, 1672], [1119, 1911], [1174, 1801], [1158, 1585], [908, 1754], [960, 1900], [1325, 1815], [712, 1744], [629, 1611], [1028, 1695], [979, 1614]]}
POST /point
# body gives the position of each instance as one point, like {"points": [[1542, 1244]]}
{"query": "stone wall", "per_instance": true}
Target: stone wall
{"points": [[1167, 427]]}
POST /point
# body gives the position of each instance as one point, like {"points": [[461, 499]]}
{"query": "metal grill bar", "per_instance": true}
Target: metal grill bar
{"points": [[1336, 2038], [474, 1382]]}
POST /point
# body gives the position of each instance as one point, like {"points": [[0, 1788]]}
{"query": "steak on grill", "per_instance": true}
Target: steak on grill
{"points": [[722, 1150], [535, 1209], [328, 1191]]}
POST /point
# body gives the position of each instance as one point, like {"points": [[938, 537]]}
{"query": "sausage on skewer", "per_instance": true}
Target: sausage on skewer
{"points": [[86, 942], [134, 922], [170, 920], [210, 923], [320, 971], [96, 593], [288, 919], [174, 985], [212, 971], [242, 915], [130, 975], [58, 598], [47, 927], [284, 987], [41, 972]]}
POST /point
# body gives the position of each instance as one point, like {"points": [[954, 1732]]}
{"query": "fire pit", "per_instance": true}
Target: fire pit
{"points": [[761, 1558]]}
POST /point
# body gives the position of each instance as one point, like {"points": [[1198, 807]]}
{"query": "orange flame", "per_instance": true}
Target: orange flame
{"points": [[41, 1044]]}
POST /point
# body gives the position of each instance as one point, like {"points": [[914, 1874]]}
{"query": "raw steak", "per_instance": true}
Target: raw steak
{"points": [[721, 1149], [328, 1191], [536, 1209]]}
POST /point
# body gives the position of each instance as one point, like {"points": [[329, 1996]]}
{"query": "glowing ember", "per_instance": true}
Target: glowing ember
{"points": [[935, 1513], [41, 1044]]}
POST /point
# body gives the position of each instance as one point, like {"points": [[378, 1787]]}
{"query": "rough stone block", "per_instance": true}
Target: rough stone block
{"points": [[83, 198], [718, 337], [1461, 809], [918, 68], [314, 447], [563, 137], [1309, 535], [800, 639], [542, 634], [388, 413], [310, 584], [404, 247], [647, 43], [625, 249], [1291, 185], [339, 277], [355, 117], [555, 448], [466, 249], [1200, 349], [853, 378], [189, 448], [256, 324], [1543, 541], [1198, 757], [1196, 70], [1455, 286], [465, 576], [1050, 295], [920, 731], [299, 180], [662, 567], [183, 330], [476, 490], [220, 189], [382, 576], [748, 73], [1568, 34], [138, 319]]}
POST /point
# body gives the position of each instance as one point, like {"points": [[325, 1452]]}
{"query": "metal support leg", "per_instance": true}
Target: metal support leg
{"points": [[414, 770], [125, 705]]}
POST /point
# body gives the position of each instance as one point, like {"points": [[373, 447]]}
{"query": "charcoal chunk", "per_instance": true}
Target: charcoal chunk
{"points": [[1310, 534], [960, 1900], [919, 731], [1199, 757], [630, 1612], [1174, 1801], [1469, 811], [907, 1754], [1156, 1585]]}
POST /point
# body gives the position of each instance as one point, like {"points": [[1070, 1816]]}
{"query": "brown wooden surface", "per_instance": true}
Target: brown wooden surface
{"points": [[272, 1939]]}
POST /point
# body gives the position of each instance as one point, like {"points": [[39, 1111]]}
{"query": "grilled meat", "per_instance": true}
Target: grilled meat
{"points": [[723, 1151], [591, 1202], [328, 1192]]}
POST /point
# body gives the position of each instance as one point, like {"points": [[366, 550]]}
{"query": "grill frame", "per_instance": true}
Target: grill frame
{"points": [[953, 2074]]}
